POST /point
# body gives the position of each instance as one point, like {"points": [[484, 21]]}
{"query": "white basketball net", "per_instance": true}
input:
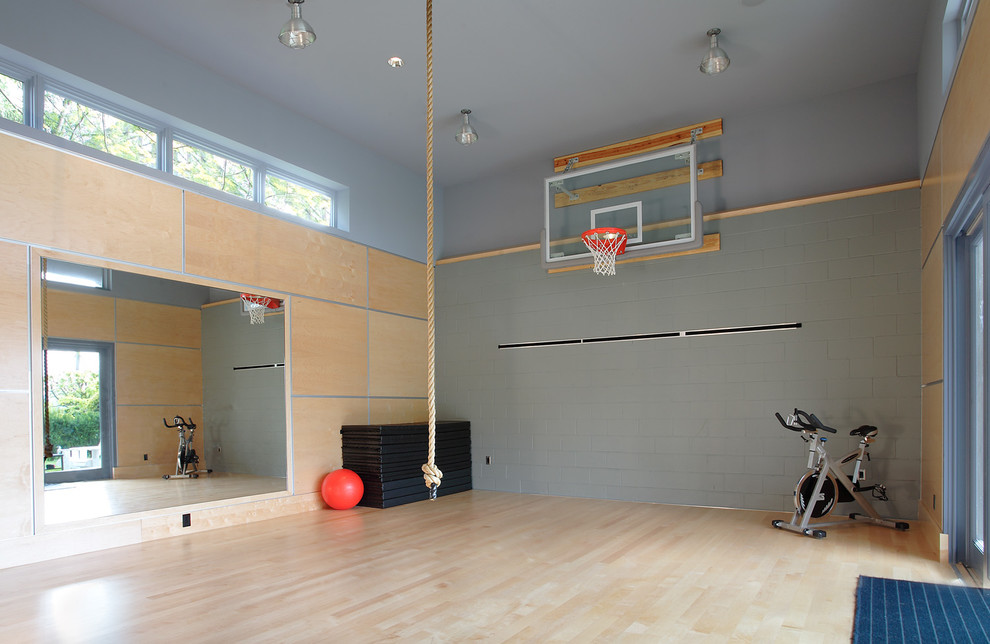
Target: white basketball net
{"points": [[604, 247], [256, 307]]}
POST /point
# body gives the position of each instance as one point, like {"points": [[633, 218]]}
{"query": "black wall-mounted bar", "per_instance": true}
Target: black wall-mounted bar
{"points": [[785, 326], [260, 366]]}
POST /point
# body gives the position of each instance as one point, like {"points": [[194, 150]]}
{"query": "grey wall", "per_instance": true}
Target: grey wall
{"points": [[243, 411], [690, 420], [862, 137], [931, 94], [386, 202]]}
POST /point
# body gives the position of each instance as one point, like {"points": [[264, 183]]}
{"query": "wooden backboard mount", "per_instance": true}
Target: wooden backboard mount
{"points": [[642, 145], [679, 176]]}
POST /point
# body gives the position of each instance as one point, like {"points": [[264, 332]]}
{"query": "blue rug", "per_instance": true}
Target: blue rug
{"points": [[890, 610]]}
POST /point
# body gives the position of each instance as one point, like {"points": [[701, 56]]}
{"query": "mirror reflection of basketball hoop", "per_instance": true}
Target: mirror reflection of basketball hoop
{"points": [[605, 244], [257, 305]]}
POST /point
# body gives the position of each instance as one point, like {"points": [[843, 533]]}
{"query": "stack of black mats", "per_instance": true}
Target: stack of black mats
{"points": [[389, 460]]}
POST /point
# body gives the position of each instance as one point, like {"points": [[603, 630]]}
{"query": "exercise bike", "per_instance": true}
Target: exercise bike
{"points": [[186, 461], [825, 483]]}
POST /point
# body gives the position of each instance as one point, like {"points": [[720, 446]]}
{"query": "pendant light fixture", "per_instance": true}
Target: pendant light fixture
{"points": [[296, 32], [467, 134], [716, 60]]}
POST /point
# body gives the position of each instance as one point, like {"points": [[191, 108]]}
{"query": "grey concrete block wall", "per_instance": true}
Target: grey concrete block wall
{"points": [[243, 411], [690, 420]]}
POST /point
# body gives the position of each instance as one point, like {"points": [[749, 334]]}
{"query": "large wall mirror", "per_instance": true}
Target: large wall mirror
{"points": [[128, 353]]}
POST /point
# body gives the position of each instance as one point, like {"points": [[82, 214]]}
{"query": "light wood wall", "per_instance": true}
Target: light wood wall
{"points": [[15, 397], [964, 128], [159, 371], [355, 319], [59, 200]]}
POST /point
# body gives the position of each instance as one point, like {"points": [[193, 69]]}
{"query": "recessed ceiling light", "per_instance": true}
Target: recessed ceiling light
{"points": [[395, 62]]}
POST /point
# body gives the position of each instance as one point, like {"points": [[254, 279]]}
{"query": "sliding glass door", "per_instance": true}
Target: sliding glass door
{"points": [[977, 480], [967, 412]]}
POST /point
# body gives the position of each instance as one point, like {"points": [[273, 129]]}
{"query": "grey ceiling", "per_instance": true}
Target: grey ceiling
{"points": [[544, 77]]}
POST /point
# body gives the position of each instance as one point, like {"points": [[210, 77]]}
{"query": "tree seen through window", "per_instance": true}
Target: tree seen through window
{"points": [[11, 99], [300, 201], [74, 121], [204, 167]]}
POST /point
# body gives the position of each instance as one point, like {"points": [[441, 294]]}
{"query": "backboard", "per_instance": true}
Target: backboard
{"points": [[652, 196]]}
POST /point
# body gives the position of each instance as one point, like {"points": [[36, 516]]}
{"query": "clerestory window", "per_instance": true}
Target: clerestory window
{"points": [[74, 115], [298, 200], [208, 168], [73, 120], [11, 98]]}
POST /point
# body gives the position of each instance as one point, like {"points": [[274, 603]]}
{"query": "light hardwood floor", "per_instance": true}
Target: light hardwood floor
{"points": [[473, 566], [66, 502]]}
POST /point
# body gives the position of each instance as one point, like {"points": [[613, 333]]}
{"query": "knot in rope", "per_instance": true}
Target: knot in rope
{"points": [[432, 476]]}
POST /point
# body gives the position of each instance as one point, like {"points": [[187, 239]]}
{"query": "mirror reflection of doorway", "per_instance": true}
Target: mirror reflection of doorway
{"points": [[80, 411]]}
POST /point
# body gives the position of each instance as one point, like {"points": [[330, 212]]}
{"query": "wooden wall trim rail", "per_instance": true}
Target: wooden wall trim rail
{"points": [[726, 214], [808, 201]]}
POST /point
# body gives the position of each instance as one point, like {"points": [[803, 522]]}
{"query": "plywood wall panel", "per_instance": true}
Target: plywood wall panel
{"points": [[80, 316], [397, 349], [329, 349], [931, 315], [931, 450], [398, 410], [150, 375], [147, 323], [158, 527], [396, 284], [316, 424], [14, 344], [242, 246], [53, 198], [140, 431], [16, 497], [966, 119], [932, 215]]}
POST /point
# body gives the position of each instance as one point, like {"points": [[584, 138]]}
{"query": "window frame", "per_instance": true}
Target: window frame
{"points": [[956, 21], [95, 103], [52, 267], [216, 150], [966, 11], [27, 78], [960, 227], [108, 409], [302, 183]]}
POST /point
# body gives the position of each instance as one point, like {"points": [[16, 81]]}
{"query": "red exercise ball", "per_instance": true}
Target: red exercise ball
{"points": [[342, 489]]}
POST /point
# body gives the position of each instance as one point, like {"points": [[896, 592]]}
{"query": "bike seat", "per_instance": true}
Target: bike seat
{"points": [[865, 430]]}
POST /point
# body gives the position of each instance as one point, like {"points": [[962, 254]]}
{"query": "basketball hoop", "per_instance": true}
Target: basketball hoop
{"points": [[605, 244], [257, 305]]}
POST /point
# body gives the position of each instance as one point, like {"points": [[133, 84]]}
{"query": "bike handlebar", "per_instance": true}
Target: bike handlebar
{"points": [[180, 422], [805, 422], [820, 425], [784, 423]]}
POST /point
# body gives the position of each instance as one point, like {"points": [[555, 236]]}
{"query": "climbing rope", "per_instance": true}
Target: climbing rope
{"points": [[49, 448], [431, 473]]}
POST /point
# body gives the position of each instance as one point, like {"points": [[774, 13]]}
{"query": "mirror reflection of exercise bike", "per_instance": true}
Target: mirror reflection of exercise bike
{"points": [[186, 461], [825, 483]]}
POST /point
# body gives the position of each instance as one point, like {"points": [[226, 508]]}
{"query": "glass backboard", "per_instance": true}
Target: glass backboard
{"points": [[652, 196]]}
